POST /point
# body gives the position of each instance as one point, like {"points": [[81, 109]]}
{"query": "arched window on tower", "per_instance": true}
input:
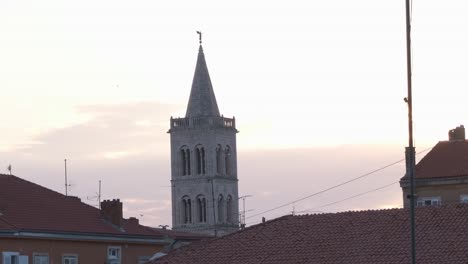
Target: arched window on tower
{"points": [[203, 160], [220, 209], [185, 161], [227, 160], [200, 159], [201, 208], [186, 210], [219, 159], [229, 212]]}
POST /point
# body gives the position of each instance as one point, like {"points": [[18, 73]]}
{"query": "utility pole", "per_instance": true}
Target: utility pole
{"points": [[411, 152]]}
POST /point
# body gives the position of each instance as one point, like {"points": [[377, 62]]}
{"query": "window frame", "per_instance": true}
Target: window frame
{"points": [[201, 209], [434, 200], [110, 258], [221, 209], [229, 212], [186, 203], [40, 254], [10, 254], [70, 255]]}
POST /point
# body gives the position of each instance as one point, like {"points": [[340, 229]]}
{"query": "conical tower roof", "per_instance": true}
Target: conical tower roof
{"points": [[202, 101]]}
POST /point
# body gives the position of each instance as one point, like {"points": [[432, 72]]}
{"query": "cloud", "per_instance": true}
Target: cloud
{"points": [[278, 177], [113, 132], [142, 201], [126, 147], [150, 212]]}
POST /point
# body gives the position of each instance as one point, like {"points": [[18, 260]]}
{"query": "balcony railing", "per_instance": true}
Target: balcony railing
{"points": [[202, 122]]}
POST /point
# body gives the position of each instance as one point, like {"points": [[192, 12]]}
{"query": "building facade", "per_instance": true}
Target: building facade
{"points": [[441, 177], [204, 162], [41, 226]]}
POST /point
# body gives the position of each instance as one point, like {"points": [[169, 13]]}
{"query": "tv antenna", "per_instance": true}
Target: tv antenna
{"points": [[242, 216], [97, 197], [66, 179]]}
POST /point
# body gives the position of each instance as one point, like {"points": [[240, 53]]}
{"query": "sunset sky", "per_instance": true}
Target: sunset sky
{"points": [[316, 87]]}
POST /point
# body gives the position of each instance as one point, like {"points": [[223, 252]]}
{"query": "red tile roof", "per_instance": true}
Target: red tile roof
{"points": [[446, 159], [381, 236], [25, 206]]}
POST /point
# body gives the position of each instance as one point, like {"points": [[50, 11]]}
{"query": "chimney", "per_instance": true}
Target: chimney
{"points": [[111, 210], [457, 134], [134, 220]]}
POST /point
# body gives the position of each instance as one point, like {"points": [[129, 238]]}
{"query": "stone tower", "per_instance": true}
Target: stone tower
{"points": [[204, 162]]}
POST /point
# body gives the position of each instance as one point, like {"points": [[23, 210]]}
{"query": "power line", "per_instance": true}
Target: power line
{"points": [[336, 202], [332, 187], [351, 197]]}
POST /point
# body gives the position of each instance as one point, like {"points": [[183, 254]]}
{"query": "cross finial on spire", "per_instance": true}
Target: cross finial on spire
{"points": [[200, 36]]}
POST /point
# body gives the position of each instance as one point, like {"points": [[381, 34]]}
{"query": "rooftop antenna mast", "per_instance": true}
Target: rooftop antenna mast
{"points": [[242, 218], [66, 179], [410, 150], [97, 197]]}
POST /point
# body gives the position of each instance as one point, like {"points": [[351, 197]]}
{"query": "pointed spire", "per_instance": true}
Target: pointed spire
{"points": [[202, 100]]}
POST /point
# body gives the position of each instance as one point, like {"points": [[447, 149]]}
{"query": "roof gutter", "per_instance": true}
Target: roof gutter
{"points": [[436, 181], [84, 237]]}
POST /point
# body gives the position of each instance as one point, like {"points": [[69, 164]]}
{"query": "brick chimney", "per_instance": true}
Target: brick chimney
{"points": [[111, 210], [134, 220], [457, 134]]}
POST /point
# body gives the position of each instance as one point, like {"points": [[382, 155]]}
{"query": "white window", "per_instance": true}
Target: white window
{"points": [[10, 257], [114, 255], [69, 259], [463, 198], [14, 258], [429, 201], [39, 258]]}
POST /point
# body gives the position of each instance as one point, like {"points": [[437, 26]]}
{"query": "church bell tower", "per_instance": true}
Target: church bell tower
{"points": [[204, 162]]}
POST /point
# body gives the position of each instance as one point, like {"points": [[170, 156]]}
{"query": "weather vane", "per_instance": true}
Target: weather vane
{"points": [[200, 36]]}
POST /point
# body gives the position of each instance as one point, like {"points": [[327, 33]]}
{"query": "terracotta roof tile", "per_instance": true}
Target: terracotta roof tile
{"points": [[27, 206], [446, 159], [381, 236]]}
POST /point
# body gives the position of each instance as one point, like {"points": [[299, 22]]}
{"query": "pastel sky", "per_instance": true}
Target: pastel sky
{"points": [[316, 87]]}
